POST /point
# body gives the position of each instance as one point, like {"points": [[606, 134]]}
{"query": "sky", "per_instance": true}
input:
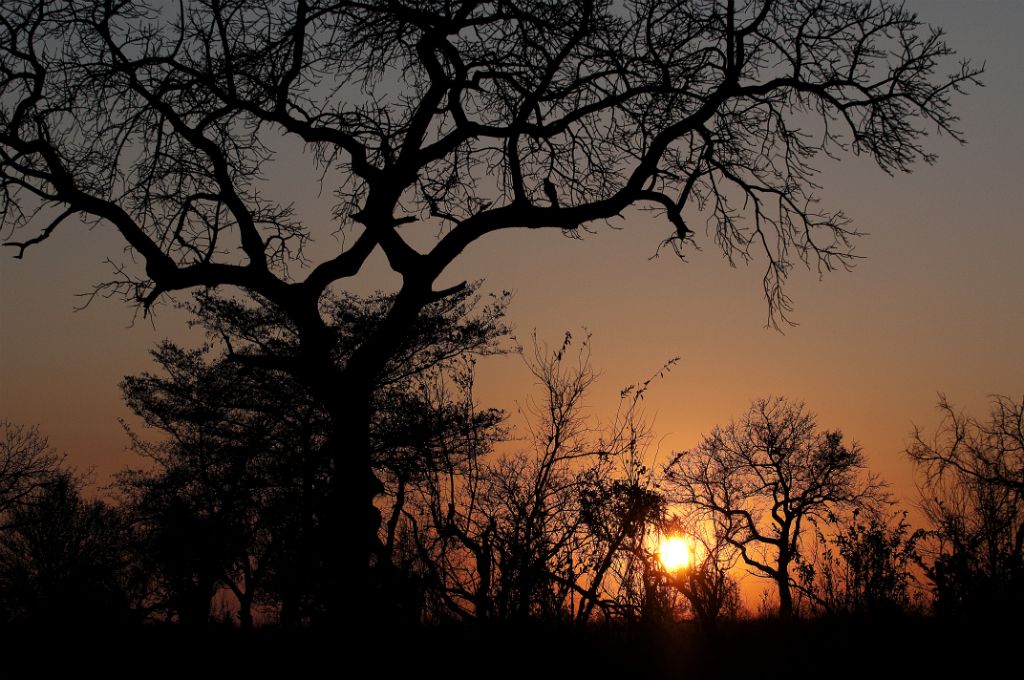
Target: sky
{"points": [[936, 305]]}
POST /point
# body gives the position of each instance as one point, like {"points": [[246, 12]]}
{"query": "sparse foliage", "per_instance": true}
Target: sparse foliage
{"points": [[711, 592], [556, 531]]}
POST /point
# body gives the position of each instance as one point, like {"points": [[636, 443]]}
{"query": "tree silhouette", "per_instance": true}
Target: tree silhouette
{"points": [[234, 495], [26, 463], [219, 495], [496, 536], [452, 118], [65, 560], [865, 568], [555, 532], [972, 491], [709, 589], [766, 479]]}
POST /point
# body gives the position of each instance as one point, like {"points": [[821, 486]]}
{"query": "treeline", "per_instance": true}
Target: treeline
{"points": [[230, 518]]}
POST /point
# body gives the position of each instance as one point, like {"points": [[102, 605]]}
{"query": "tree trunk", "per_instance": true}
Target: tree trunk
{"points": [[351, 528], [350, 538], [245, 611], [785, 594], [782, 573], [785, 598]]}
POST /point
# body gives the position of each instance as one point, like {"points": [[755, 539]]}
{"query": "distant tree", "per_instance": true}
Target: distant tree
{"points": [[26, 463], [865, 568], [441, 118], [65, 561], [705, 582], [767, 479], [972, 490], [617, 568], [621, 508]]}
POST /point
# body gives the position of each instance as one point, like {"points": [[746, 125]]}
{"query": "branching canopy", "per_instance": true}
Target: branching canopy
{"points": [[450, 117]]}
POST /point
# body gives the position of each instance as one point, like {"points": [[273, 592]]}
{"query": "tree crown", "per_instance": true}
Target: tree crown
{"points": [[467, 117]]}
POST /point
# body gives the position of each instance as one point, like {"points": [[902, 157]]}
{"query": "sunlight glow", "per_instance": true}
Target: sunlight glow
{"points": [[675, 552]]}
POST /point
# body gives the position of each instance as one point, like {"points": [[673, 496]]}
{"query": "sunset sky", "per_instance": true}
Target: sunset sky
{"points": [[936, 305]]}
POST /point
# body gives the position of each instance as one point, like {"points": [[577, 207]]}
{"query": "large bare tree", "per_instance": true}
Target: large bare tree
{"points": [[446, 118]]}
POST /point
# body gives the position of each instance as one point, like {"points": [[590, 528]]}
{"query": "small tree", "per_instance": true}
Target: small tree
{"points": [[705, 582], [65, 560], [972, 490], [865, 569], [766, 478], [556, 531], [26, 463], [496, 535]]}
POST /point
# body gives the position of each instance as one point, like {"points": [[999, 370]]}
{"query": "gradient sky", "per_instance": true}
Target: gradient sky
{"points": [[936, 305]]}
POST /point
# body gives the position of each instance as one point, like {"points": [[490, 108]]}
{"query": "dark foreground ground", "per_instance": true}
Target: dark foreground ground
{"points": [[760, 650]]}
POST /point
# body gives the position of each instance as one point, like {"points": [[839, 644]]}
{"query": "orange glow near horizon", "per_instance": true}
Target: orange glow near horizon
{"points": [[675, 552]]}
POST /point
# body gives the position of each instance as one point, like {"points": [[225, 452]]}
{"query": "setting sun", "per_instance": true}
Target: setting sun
{"points": [[675, 553]]}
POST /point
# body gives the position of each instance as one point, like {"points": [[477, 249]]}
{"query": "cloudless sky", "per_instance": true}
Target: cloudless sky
{"points": [[936, 305]]}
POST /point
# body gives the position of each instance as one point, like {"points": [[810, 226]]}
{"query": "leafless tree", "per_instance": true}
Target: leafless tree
{"points": [[495, 534], [990, 452], [26, 463], [767, 478], [556, 531], [452, 118]]}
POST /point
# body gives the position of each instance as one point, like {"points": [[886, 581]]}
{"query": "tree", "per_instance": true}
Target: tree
{"points": [[555, 532], [972, 490], [865, 569], [452, 118], [26, 463], [234, 495], [767, 478], [65, 560], [705, 581], [496, 536]]}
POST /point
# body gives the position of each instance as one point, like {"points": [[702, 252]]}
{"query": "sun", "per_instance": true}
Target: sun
{"points": [[675, 552]]}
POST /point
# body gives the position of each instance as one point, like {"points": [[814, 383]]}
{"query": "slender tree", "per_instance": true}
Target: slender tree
{"points": [[556, 531], [448, 118]]}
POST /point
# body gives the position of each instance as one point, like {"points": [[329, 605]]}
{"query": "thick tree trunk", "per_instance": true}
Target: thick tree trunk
{"points": [[350, 539], [707, 622], [354, 520]]}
